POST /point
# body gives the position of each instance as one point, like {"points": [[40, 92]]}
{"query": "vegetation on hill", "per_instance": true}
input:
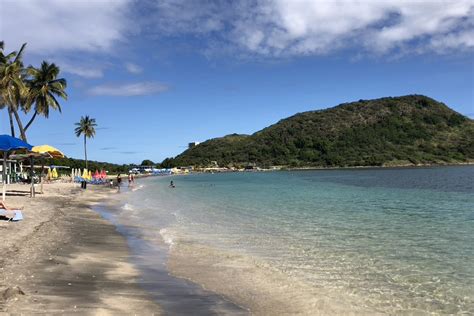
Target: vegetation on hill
{"points": [[411, 129], [79, 163]]}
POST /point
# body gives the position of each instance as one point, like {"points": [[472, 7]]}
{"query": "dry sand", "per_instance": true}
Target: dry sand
{"points": [[64, 258]]}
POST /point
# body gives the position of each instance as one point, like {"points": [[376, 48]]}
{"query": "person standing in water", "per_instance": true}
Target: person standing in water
{"points": [[172, 184], [130, 179], [119, 181]]}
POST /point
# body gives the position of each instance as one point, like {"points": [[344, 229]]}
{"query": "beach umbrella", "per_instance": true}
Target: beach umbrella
{"points": [[51, 151], [96, 174], [89, 176], [103, 175], [55, 173], [7, 144], [49, 176], [84, 174]]}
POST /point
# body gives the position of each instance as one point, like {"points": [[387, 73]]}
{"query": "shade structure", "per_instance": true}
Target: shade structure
{"points": [[96, 174], [7, 144], [50, 175], [52, 151]]}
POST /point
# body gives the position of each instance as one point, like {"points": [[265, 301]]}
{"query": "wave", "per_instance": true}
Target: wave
{"points": [[128, 207], [168, 237]]}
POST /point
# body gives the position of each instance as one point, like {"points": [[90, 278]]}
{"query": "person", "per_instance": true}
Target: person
{"points": [[10, 213], [130, 179], [133, 178], [172, 184], [111, 183], [119, 181]]}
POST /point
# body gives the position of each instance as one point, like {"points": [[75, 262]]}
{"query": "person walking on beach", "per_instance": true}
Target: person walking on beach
{"points": [[119, 181], [130, 179]]}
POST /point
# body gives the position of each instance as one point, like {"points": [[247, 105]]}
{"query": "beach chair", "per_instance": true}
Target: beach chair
{"points": [[11, 215]]}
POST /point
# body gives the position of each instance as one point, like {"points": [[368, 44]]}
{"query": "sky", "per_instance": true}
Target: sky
{"points": [[157, 75]]}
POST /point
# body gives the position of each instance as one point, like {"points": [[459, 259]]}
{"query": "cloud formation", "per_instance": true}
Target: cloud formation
{"points": [[50, 26], [309, 27], [129, 89], [267, 28], [80, 70], [133, 68]]}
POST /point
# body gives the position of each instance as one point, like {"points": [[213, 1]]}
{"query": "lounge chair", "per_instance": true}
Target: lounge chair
{"points": [[11, 215]]}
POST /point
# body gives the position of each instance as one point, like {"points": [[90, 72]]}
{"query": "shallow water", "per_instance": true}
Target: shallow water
{"points": [[387, 240]]}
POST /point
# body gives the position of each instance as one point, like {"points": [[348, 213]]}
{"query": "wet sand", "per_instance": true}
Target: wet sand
{"points": [[64, 258]]}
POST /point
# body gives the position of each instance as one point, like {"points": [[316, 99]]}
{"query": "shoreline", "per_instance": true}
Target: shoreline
{"points": [[64, 257]]}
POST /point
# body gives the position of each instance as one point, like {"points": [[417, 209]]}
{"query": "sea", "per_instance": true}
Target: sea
{"points": [[362, 241]]}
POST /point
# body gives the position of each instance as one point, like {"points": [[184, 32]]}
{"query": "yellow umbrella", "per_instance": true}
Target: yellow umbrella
{"points": [[89, 177], [50, 175], [54, 152], [55, 173], [85, 174]]}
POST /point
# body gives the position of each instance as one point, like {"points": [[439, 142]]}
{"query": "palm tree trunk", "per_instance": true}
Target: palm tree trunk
{"points": [[31, 120], [85, 150], [20, 125], [12, 126]]}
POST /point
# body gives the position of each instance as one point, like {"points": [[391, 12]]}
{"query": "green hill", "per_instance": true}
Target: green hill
{"points": [[411, 129]]}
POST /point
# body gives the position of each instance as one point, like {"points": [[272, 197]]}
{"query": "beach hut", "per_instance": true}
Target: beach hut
{"points": [[7, 145]]}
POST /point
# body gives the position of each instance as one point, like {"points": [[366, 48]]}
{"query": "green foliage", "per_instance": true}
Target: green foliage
{"points": [[410, 129], [93, 165], [147, 162]]}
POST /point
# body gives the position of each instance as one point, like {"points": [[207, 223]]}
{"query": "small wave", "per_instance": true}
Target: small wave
{"points": [[167, 236], [141, 186], [128, 207]]}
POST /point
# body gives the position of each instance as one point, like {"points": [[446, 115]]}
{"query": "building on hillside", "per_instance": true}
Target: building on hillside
{"points": [[193, 144]]}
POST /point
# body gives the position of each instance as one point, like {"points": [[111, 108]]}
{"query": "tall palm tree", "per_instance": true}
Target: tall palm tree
{"points": [[12, 86], [86, 126], [44, 86]]}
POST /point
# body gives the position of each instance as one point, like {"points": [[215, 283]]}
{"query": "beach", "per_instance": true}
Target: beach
{"points": [[64, 258]]}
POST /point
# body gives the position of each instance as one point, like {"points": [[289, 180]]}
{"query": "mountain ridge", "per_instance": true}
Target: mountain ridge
{"points": [[412, 129]]}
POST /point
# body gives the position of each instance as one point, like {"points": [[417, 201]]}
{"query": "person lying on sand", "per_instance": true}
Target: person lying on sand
{"points": [[9, 212]]}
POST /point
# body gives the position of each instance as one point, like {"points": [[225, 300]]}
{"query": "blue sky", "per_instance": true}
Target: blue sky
{"points": [[159, 74]]}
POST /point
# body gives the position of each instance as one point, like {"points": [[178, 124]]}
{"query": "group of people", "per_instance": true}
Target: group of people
{"points": [[131, 180]]}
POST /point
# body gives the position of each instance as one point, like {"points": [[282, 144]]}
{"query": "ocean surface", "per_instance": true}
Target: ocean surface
{"points": [[381, 240]]}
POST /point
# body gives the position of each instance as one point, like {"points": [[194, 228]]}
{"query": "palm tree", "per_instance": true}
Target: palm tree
{"points": [[86, 126], [12, 86], [43, 87]]}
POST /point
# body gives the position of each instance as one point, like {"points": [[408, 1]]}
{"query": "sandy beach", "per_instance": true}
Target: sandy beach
{"points": [[64, 258]]}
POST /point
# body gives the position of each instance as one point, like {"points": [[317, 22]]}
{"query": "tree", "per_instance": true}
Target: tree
{"points": [[12, 86], [44, 86], [86, 126], [147, 162]]}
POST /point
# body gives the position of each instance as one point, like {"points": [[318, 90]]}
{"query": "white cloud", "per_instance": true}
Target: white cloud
{"points": [[82, 71], [129, 89], [281, 28], [49, 26], [133, 68]]}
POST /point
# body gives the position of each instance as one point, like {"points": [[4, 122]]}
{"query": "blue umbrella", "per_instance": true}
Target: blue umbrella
{"points": [[9, 143]]}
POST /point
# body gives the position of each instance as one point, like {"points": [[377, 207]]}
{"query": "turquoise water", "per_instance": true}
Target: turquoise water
{"points": [[391, 240]]}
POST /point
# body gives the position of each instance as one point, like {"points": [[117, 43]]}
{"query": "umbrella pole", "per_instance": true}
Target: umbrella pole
{"points": [[32, 192], [41, 177], [4, 175]]}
